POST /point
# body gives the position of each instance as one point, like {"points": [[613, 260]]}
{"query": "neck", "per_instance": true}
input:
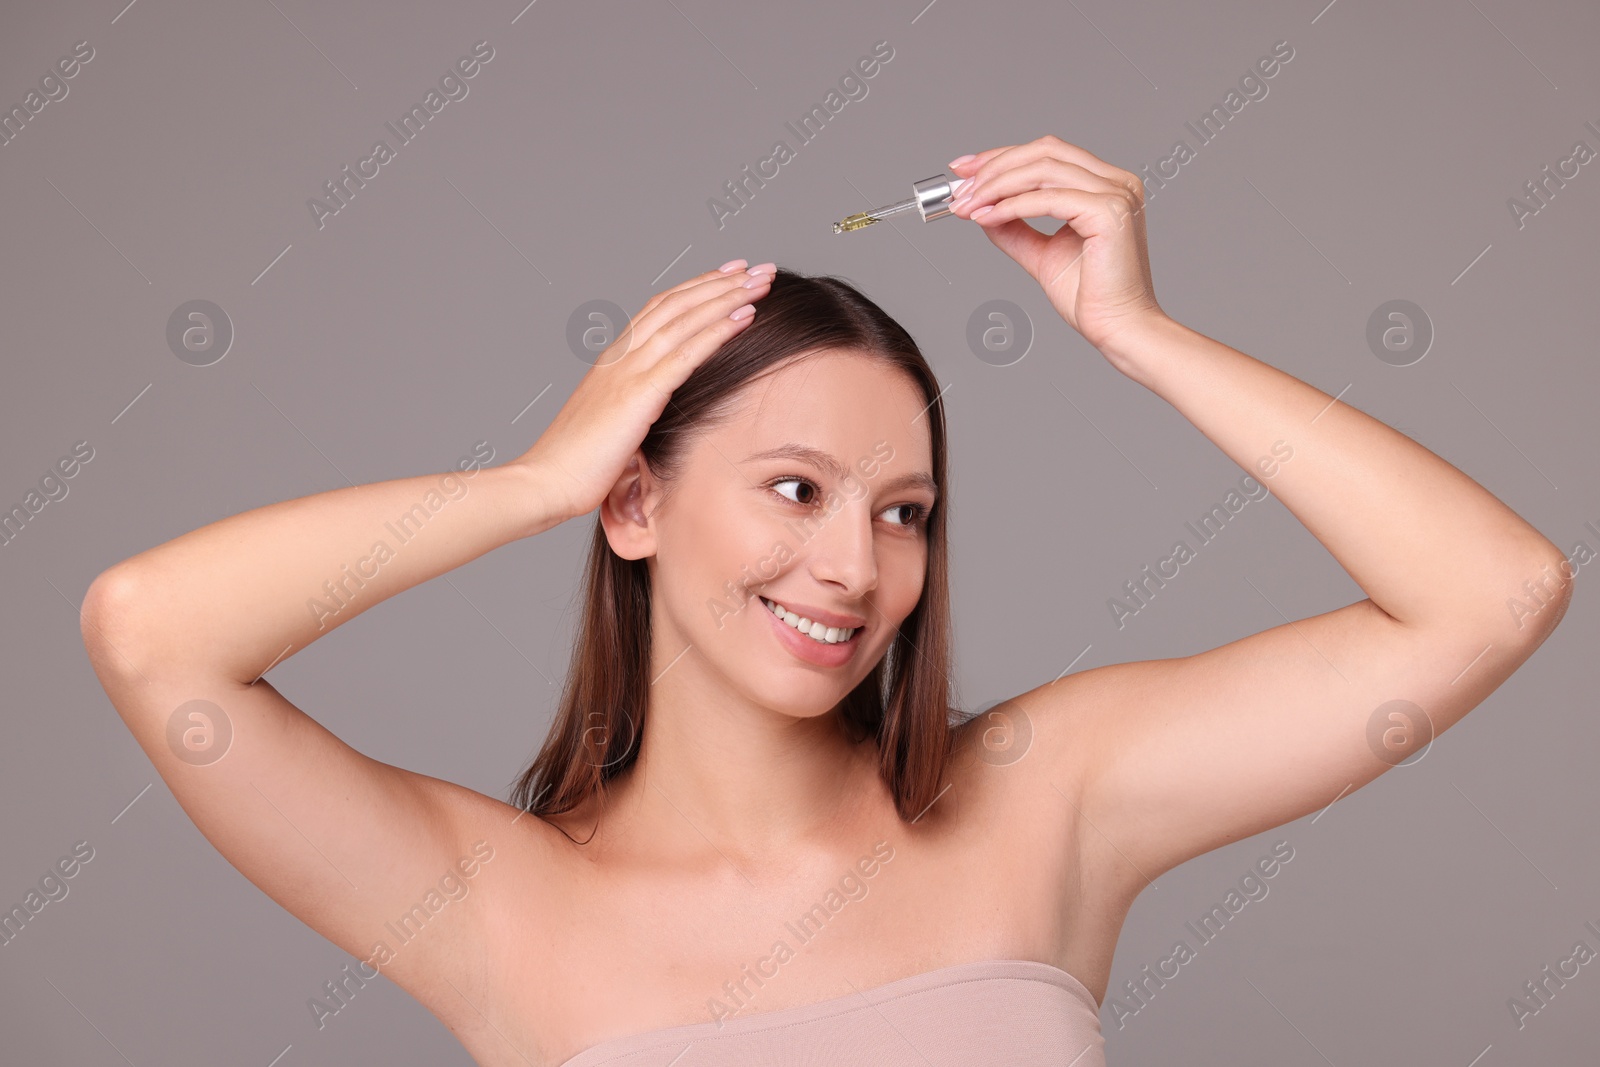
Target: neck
{"points": [[738, 782]]}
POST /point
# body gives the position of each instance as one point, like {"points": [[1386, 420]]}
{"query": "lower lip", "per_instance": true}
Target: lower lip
{"points": [[835, 655]]}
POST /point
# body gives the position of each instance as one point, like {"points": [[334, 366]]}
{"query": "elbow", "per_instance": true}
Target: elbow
{"points": [[107, 619], [1540, 599], [1517, 606]]}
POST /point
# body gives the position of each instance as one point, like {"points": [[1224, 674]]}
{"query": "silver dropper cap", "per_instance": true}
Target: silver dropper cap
{"points": [[931, 197]]}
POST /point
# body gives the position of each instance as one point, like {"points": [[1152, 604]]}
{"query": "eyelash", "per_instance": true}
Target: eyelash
{"points": [[918, 518]]}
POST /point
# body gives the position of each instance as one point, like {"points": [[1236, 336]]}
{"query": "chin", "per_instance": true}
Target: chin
{"points": [[791, 688], [792, 693]]}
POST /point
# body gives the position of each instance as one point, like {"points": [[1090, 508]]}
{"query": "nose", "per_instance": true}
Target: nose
{"points": [[842, 552]]}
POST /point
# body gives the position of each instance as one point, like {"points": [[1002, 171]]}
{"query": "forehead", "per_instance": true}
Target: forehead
{"points": [[842, 401]]}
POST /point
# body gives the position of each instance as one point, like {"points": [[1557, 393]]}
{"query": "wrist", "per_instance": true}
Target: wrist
{"points": [[531, 496], [1137, 347]]}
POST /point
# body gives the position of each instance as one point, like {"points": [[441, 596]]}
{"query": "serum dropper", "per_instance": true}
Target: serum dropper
{"points": [[931, 197]]}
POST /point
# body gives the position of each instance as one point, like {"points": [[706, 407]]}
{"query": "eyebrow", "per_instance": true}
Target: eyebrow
{"points": [[825, 461]]}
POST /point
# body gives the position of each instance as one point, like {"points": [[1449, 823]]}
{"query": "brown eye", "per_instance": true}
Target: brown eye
{"points": [[807, 496], [918, 511]]}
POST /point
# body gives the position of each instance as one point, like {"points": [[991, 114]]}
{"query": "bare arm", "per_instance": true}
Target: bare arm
{"points": [[179, 635], [1185, 755], [248, 591], [1172, 758], [1432, 548]]}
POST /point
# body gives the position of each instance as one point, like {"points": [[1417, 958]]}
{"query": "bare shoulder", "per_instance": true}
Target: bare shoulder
{"points": [[1038, 752], [513, 845], [491, 901], [472, 812], [1043, 738], [1018, 769], [1024, 768]]}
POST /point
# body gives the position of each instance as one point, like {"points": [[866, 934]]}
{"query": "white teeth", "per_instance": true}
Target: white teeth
{"points": [[827, 635]]}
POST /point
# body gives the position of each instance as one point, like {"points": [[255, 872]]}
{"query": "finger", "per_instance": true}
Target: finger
{"points": [[737, 265], [688, 324], [1086, 159], [1046, 172], [685, 343], [675, 301], [1089, 214], [1051, 146], [967, 168]]}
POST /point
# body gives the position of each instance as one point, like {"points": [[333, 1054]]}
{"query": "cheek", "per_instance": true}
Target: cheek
{"points": [[902, 571], [706, 551]]}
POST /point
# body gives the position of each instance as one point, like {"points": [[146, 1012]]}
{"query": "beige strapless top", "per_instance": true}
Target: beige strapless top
{"points": [[1014, 1012]]}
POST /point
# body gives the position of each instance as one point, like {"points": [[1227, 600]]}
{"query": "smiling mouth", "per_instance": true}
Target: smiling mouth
{"points": [[816, 631]]}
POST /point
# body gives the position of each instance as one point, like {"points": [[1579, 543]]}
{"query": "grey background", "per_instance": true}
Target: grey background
{"points": [[427, 314]]}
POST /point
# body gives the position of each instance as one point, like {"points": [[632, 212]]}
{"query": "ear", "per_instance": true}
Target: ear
{"points": [[625, 512]]}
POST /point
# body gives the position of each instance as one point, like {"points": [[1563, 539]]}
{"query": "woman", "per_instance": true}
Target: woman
{"points": [[748, 832]]}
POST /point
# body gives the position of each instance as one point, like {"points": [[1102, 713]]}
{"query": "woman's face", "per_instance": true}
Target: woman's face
{"points": [[813, 495]]}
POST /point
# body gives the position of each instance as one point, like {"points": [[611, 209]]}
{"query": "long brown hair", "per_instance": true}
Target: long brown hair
{"points": [[904, 702]]}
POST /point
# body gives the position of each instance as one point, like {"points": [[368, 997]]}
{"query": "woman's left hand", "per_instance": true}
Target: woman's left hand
{"points": [[1096, 268]]}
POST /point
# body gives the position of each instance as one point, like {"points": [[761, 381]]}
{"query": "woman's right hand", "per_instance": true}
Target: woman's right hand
{"points": [[595, 435]]}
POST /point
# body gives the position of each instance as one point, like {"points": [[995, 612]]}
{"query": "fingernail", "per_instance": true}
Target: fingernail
{"points": [[984, 210], [763, 268], [956, 162], [731, 266], [743, 311], [757, 280]]}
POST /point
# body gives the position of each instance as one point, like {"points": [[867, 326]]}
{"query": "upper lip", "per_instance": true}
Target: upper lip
{"points": [[827, 618]]}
